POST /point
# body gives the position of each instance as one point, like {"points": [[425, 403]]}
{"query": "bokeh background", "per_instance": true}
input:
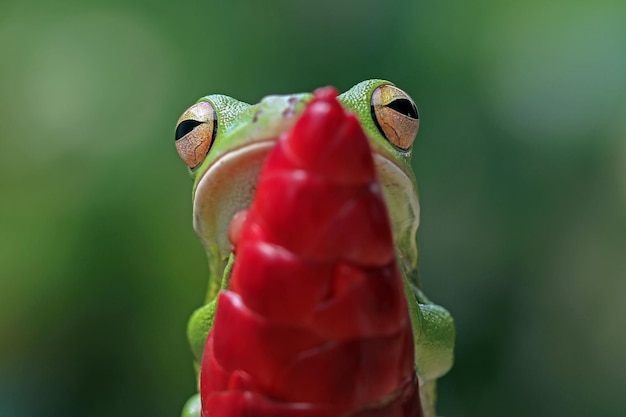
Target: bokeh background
{"points": [[521, 161]]}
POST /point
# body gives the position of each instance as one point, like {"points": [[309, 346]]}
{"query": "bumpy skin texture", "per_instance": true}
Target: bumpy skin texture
{"points": [[315, 321]]}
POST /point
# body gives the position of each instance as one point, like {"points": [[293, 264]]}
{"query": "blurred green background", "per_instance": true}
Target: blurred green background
{"points": [[521, 160]]}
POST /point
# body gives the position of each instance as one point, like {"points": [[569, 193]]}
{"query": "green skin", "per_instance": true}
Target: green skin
{"points": [[224, 183]]}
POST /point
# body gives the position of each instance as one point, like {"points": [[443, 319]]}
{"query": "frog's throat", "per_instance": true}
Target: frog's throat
{"points": [[228, 185]]}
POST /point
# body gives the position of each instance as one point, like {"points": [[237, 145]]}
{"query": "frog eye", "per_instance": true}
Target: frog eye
{"points": [[395, 115], [195, 133]]}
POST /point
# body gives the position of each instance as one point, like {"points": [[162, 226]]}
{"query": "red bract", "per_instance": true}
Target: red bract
{"points": [[315, 323]]}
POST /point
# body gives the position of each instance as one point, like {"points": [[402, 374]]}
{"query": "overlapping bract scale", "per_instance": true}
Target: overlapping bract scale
{"points": [[315, 323]]}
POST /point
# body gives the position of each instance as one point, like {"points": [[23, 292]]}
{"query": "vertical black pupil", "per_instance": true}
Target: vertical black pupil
{"points": [[185, 127], [404, 106]]}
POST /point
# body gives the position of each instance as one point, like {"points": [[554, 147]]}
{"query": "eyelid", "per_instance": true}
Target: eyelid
{"points": [[395, 115], [195, 132]]}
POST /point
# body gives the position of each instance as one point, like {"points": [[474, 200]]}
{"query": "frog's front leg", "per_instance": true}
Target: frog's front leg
{"points": [[200, 323], [193, 407], [434, 335], [434, 344], [198, 328]]}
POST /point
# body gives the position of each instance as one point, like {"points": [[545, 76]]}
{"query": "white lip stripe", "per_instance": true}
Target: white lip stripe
{"points": [[235, 173]]}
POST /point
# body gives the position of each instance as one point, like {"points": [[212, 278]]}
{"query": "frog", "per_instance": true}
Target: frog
{"points": [[224, 142]]}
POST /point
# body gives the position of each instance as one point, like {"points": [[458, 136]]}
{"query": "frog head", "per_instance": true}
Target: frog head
{"points": [[224, 143]]}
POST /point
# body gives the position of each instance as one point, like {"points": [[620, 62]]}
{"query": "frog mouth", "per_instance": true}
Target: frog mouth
{"points": [[229, 184]]}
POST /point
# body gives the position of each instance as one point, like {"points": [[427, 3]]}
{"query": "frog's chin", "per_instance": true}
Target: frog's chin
{"points": [[228, 186]]}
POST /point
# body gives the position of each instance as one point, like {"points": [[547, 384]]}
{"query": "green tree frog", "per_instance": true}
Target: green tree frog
{"points": [[224, 142]]}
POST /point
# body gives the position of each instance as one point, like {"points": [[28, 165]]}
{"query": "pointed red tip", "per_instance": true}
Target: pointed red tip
{"points": [[325, 93], [328, 141]]}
